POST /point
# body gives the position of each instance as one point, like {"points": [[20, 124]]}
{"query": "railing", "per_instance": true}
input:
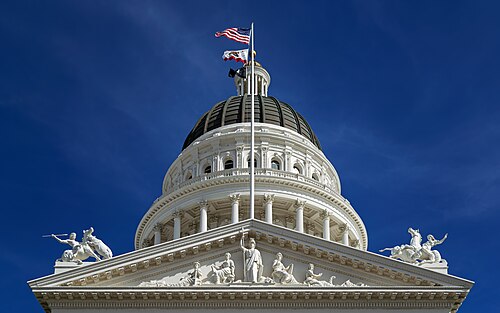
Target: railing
{"points": [[258, 172]]}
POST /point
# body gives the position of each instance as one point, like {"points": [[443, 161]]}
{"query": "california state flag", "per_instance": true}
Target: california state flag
{"points": [[237, 55]]}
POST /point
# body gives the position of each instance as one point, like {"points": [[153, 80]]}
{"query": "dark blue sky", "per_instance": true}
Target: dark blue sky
{"points": [[96, 98]]}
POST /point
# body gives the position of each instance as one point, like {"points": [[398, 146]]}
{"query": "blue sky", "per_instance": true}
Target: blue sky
{"points": [[96, 99]]}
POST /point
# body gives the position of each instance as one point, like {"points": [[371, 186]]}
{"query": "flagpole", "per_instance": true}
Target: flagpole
{"points": [[252, 140]]}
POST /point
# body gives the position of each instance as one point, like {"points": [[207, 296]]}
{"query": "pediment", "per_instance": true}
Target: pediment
{"points": [[157, 276], [169, 262]]}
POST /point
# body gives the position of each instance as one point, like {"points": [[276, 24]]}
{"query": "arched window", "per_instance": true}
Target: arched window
{"points": [[275, 165], [208, 170], [297, 169], [315, 176], [228, 164], [254, 162], [189, 176]]}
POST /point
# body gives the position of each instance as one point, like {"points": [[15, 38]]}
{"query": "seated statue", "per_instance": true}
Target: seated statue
{"points": [[224, 273], [193, 278], [313, 279], [282, 274]]}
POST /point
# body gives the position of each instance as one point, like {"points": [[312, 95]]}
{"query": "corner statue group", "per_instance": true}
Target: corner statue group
{"points": [[253, 262]]}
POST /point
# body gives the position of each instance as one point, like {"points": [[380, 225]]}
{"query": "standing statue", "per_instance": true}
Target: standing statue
{"points": [[416, 252], [252, 262], [223, 274], [282, 274], [313, 279], [83, 250]]}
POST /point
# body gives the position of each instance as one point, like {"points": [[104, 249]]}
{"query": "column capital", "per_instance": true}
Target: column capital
{"points": [[299, 204], [235, 198], [177, 213], [325, 214], [268, 198], [146, 243], [157, 227], [203, 203], [344, 228]]}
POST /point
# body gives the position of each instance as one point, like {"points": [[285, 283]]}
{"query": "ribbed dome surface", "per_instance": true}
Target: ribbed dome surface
{"points": [[238, 109]]}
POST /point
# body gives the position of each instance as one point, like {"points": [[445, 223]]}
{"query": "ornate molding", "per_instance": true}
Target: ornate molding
{"points": [[241, 175], [268, 198], [299, 204], [235, 198], [285, 298]]}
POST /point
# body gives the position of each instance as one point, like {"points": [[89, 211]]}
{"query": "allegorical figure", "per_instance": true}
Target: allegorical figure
{"points": [[282, 274], [253, 262], [79, 252], [312, 279], [426, 254], [193, 278], [225, 272]]}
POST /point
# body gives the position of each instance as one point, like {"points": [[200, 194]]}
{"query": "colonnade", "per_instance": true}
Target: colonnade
{"points": [[268, 218]]}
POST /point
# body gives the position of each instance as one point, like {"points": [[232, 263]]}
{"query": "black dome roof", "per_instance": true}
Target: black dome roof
{"points": [[238, 109]]}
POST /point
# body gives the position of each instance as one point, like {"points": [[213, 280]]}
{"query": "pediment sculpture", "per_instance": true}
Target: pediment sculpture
{"points": [[416, 252], [223, 273], [90, 246]]}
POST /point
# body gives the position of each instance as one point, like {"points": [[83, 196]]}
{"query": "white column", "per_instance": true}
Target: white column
{"points": [[235, 203], [345, 235], [177, 225], [299, 215], [326, 224], [203, 216], [268, 206], [157, 234]]}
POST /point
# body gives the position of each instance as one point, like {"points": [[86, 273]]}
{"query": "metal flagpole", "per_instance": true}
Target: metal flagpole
{"points": [[252, 140]]}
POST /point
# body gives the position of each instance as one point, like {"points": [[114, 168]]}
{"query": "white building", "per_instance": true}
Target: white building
{"points": [[181, 261]]}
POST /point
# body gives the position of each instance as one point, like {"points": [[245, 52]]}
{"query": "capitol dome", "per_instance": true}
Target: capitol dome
{"points": [[237, 110], [207, 186]]}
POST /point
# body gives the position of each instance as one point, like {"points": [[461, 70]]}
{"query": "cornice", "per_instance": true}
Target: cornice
{"points": [[223, 297]]}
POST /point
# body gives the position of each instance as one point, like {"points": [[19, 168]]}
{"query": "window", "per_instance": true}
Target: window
{"points": [[228, 164], [315, 176], [254, 162], [297, 169], [208, 170], [275, 165], [189, 176]]}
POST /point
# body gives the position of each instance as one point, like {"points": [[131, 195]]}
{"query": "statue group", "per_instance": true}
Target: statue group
{"points": [[416, 252], [90, 246], [224, 272]]}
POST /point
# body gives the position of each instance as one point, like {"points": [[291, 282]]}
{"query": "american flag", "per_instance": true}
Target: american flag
{"points": [[235, 33]]}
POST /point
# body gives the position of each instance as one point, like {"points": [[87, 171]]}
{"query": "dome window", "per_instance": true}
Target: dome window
{"points": [[254, 162], [208, 170], [189, 176], [275, 165], [228, 164], [297, 169], [315, 177]]}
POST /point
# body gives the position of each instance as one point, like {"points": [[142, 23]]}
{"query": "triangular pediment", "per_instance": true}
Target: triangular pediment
{"points": [[162, 271], [171, 261]]}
